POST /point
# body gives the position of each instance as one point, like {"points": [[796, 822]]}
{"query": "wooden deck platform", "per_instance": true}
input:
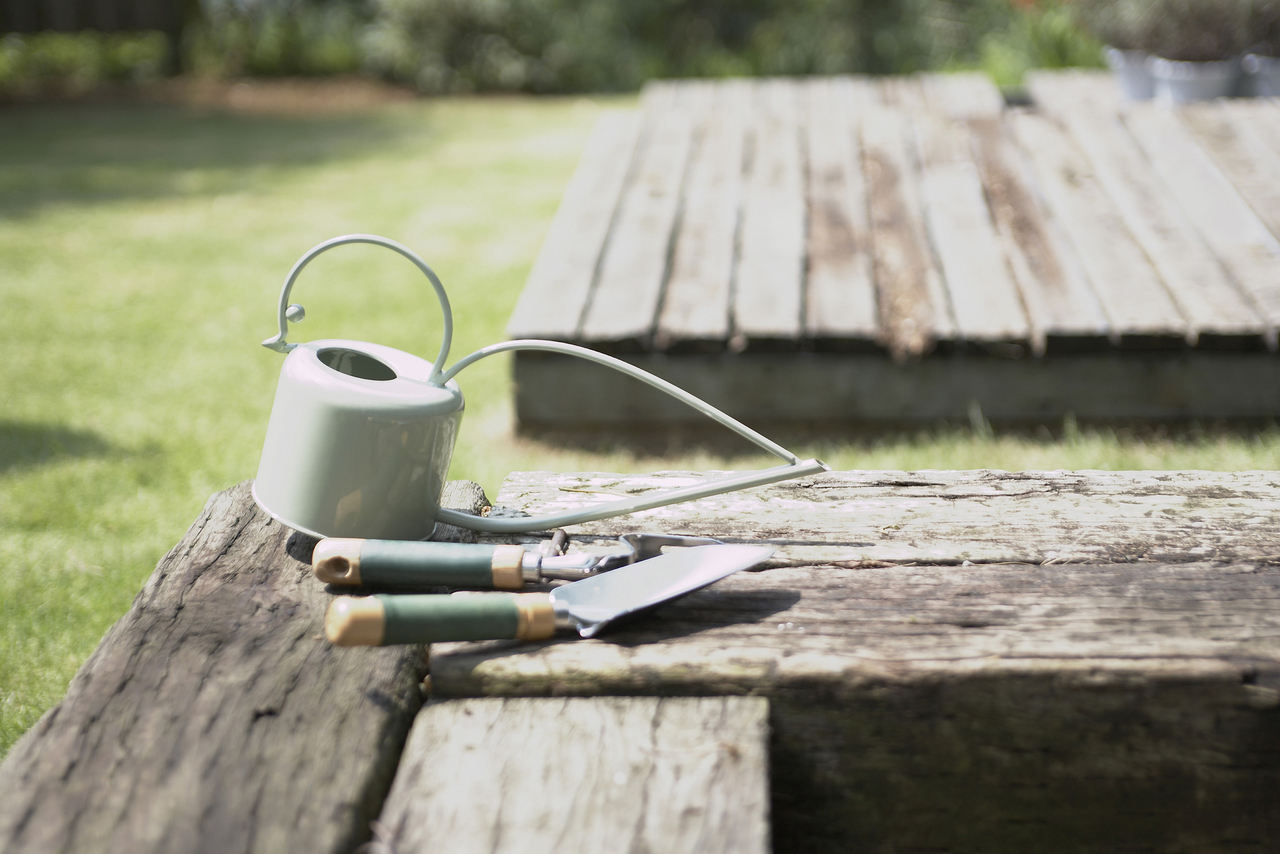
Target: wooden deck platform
{"points": [[851, 250], [933, 661]]}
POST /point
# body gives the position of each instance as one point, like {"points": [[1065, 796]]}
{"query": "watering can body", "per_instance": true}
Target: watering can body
{"points": [[359, 442]]}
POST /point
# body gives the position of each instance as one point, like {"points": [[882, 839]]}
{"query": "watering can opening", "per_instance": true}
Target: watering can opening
{"points": [[353, 363]]}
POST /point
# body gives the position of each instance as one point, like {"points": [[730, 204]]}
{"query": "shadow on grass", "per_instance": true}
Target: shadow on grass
{"points": [[86, 153], [24, 445]]}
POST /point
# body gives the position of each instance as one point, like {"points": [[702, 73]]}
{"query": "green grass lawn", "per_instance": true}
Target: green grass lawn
{"points": [[142, 248]]}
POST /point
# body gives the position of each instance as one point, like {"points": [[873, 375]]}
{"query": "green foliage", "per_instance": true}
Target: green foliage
{"points": [[276, 37], [76, 62], [1042, 36], [594, 45]]}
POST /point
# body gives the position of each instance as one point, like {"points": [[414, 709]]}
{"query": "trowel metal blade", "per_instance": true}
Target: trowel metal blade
{"points": [[594, 602]]}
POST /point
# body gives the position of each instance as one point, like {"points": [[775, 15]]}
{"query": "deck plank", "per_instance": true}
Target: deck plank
{"points": [[1062, 310], [983, 295], [906, 277], [583, 776], [1140, 310], [1121, 702], [840, 303], [555, 296], [1249, 251], [768, 297], [1218, 315], [623, 307], [695, 310], [1237, 134]]}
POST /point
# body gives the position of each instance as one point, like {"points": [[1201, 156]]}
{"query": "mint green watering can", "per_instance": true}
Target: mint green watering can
{"points": [[361, 435]]}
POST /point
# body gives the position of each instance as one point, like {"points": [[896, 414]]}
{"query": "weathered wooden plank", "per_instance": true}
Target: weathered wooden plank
{"points": [[963, 96], [1056, 707], [768, 297], [1238, 134], [623, 307], [1216, 310], [695, 310], [840, 301], [584, 775], [1072, 695], [843, 388], [912, 317], [936, 517], [1249, 251], [1062, 310], [193, 724], [1140, 310], [983, 295], [555, 296]]}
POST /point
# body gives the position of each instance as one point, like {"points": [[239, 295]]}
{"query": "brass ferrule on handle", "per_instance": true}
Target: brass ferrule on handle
{"points": [[507, 565], [536, 617]]}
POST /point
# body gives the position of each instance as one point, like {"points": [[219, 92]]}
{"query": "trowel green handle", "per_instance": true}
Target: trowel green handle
{"points": [[399, 563], [426, 618]]}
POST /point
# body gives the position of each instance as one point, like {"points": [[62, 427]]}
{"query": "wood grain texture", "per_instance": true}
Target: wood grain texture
{"points": [[1218, 315], [939, 517], [963, 96], [1063, 312], [844, 389], [1238, 134], [559, 285], [1249, 251], [623, 307], [191, 726], [1123, 702], [584, 775], [911, 322], [980, 285], [840, 303], [768, 305], [1139, 308], [696, 306]]}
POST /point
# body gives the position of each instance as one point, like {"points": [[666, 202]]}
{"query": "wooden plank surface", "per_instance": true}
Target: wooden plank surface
{"points": [[840, 305], [1239, 135], [1122, 701], [559, 285], [1139, 308], [1250, 252], [768, 304], [584, 775], [1063, 312], [1218, 315], [912, 320], [193, 724], [983, 295], [696, 308], [838, 389], [940, 517], [623, 307]]}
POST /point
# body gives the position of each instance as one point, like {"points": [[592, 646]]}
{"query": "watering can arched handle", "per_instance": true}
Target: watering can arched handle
{"points": [[795, 467], [278, 342]]}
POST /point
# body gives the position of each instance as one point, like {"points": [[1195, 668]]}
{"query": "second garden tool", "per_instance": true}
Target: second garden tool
{"points": [[584, 606], [401, 563]]}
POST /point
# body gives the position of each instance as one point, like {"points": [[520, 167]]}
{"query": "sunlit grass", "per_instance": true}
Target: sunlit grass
{"points": [[141, 253]]}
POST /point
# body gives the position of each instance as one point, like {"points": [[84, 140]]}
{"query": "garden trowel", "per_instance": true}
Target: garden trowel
{"points": [[404, 563], [584, 606]]}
